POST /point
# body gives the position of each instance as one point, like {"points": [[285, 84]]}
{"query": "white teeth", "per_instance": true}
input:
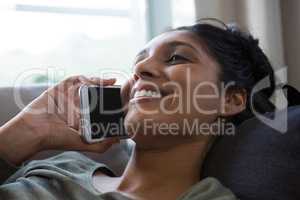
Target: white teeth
{"points": [[147, 93]]}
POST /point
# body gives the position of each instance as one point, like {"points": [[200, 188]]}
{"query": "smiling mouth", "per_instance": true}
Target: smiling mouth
{"points": [[146, 95]]}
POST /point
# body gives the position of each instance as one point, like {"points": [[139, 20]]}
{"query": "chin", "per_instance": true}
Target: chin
{"points": [[142, 126], [135, 123]]}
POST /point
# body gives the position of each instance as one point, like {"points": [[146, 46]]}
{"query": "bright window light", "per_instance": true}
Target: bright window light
{"points": [[183, 12], [73, 37], [67, 37]]}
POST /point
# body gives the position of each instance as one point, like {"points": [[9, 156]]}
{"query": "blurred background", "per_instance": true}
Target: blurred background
{"points": [[43, 41]]}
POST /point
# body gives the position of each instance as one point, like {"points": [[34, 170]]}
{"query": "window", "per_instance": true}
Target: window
{"points": [[46, 40], [183, 12], [67, 37], [166, 14]]}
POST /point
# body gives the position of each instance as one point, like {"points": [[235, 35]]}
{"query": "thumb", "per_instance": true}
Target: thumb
{"points": [[72, 141]]}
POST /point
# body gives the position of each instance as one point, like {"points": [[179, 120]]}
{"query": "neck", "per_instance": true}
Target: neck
{"points": [[174, 169]]}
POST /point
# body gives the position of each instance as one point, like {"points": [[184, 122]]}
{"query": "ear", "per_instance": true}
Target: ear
{"points": [[234, 102]]}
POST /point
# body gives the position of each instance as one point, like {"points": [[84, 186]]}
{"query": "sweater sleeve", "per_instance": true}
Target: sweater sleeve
{"points": [[65, 176]]}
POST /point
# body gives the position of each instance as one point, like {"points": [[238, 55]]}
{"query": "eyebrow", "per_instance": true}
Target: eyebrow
{"points": [[172, 44], [175, 44]]}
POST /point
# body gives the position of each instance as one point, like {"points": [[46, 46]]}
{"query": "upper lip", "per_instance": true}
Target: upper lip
{"points": [[148, 86]]}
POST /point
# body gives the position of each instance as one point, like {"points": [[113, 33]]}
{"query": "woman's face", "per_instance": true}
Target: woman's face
{"points": [[173, 91]]}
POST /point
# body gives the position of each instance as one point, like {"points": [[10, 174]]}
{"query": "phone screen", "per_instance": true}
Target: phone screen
{"points": [[106, 115]]}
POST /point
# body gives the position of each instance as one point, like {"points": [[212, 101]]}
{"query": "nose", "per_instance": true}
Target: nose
{"points": [[146, 70]]}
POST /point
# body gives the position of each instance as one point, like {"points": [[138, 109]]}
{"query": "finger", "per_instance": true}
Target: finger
{"points": [[60, 90], [75, 142], [94, 81], [98, 81]]}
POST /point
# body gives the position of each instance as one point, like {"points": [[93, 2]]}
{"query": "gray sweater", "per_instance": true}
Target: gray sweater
{"points": [[69, 176]]}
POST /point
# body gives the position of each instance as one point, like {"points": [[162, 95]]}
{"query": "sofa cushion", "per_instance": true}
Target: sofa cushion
{"points": [[13, 99], [259, 162]]}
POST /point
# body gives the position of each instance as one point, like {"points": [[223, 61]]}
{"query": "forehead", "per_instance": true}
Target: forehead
{"points": [[175, 38]]}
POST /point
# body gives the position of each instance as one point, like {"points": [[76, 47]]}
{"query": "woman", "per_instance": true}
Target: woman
{"points": [[197, 74]]}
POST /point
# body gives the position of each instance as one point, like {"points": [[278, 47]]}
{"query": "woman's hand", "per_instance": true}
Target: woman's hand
{"points": [[51, 121]]}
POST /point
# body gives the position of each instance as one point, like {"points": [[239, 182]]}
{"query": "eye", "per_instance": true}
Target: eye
{"points": [[177, 59]]}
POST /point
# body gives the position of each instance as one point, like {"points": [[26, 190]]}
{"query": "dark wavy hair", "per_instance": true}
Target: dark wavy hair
{"points": [[241, 60]]}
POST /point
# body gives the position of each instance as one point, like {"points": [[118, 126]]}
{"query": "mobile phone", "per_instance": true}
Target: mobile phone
{"points": [[101, 113]]}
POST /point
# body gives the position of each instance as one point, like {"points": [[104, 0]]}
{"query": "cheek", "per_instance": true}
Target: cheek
{"points": [[205, 98], [201, 95], [180, 73], [197, 84]]}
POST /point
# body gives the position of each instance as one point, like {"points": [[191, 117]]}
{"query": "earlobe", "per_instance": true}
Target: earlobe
{"points": [[234, 103]]}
